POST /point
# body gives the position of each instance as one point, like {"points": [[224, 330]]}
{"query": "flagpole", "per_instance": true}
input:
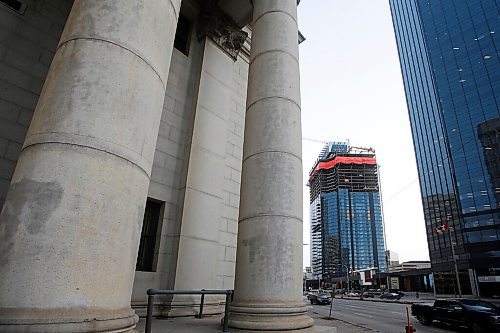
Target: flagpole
{"points": [[455, 263]]}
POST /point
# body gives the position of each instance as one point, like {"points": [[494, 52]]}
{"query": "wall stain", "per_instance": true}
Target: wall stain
{"points": [[29, 203], [271, 255]]}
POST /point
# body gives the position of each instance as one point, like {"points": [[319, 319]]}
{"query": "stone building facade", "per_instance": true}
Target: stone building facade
{"points": [[110, 109]]}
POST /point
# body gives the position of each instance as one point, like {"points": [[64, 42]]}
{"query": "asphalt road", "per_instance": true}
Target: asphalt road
{"points": [[378, 316]]}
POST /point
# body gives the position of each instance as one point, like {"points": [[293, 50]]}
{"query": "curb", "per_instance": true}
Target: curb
{"points": [[382, 300], [345, 321]]}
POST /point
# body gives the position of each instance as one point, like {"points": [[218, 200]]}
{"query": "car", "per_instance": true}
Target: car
{"points": [[368, 294], [477, 315], [340, 291], [391, 296], [353, 294], [321, 299]]}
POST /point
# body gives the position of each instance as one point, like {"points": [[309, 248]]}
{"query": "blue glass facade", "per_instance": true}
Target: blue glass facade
{"points": [[347, 232], [449, 60]]}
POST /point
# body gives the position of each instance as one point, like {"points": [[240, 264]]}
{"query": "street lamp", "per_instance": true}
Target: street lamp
{"points": [[455, 263], [305, 273], [447, 227], [346, 276]]}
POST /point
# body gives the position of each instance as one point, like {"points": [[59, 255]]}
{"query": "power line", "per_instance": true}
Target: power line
{"points": [[314, 140], [404, 188]]}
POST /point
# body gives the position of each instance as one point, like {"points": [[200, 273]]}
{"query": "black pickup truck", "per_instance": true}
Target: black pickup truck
{"points": [[479, 316]]}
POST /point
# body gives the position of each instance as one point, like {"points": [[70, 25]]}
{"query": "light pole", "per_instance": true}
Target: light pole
{"points": [[455, 263], [346, 276], [305, 273], [441, 229]]}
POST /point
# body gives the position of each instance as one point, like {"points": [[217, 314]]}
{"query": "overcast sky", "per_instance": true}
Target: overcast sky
{"points": [[352, 89]]}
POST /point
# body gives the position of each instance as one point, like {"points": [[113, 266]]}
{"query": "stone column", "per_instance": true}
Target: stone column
{"points": [[268, 286], [70, 226]]}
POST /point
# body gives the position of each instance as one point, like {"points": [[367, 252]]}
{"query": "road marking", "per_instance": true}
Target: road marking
{"points": [[354, 307], [363, 315], [398, 313]]}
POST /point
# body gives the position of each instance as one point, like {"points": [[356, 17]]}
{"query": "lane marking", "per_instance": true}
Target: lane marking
{"points": [[398, 313], [363, 315]]}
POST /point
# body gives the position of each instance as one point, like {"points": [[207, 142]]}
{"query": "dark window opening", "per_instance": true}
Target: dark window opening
{"points": [[147, 246], [182, 34], [15, 5]]}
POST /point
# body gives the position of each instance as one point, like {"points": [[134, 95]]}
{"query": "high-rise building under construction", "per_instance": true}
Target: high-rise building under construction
{"points": [[347, 230]]}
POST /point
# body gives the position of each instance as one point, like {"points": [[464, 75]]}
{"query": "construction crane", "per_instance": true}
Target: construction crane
{"points": [[314, 140], [366, 149]]}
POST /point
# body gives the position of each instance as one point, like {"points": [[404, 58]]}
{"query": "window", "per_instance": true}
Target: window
{"points": [[15, 5], [182, 34], [147, 246]]}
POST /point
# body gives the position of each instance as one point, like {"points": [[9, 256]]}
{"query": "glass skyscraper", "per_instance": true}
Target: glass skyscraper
{"points": [[448, 51], [347, 232]]}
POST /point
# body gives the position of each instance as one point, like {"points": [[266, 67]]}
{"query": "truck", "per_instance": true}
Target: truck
{"points": [[477, 315]]}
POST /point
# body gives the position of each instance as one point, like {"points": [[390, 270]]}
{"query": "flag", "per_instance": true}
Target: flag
{"points": [[442, 228]]}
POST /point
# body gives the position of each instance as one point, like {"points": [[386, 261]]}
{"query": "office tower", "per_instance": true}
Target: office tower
{"points": [[347, 232], [449, 60]]}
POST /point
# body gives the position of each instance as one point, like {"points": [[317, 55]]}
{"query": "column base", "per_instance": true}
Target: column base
{"points": [[269, 318], [53, 321]]}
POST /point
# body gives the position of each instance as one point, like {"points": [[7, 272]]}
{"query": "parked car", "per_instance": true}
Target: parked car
{"points": [[396, 291], [368, 294], [479, 316], [391, 296], [353, 294], [312, 292], [320, 299]]}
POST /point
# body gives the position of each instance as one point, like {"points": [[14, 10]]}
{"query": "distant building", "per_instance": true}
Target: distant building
{"points": [[449, 60], [409, 265], [347, 230], [392, 257], [308, 275], [409, 276]]}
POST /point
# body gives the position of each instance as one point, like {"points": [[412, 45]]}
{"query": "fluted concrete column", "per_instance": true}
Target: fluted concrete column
{"points": [[268, 286], [71, 222]]}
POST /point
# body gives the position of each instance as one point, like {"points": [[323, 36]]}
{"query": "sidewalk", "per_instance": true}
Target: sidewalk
{"points": [[211, 324], [410, 298]]}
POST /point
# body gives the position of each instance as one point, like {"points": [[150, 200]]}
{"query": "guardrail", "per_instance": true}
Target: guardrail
{"points": [[152, 292]]}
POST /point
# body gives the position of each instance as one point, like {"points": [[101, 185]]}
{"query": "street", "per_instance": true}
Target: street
{"points": [[378, 316]]}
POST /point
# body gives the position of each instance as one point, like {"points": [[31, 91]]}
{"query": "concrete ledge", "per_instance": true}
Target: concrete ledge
{"points": [[212, 324], [325, 329]]}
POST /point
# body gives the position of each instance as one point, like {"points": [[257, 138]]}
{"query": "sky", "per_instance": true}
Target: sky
{"points": [[352, 89]]}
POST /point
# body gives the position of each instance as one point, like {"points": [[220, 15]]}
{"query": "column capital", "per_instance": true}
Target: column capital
{"points": [[221, 29]]}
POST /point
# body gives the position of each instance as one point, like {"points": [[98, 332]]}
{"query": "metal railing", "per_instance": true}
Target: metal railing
{"points": [[152, 292]]}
